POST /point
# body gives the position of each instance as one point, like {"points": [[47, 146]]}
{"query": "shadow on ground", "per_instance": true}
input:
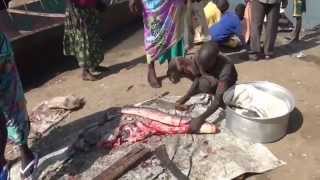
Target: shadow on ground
{"points": [[295, 121], [49, 69], [68, 134], [310, 40], [116, 68]]}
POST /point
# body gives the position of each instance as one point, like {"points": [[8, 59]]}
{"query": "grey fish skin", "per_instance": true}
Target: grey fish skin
{"points": [[156, 115]]}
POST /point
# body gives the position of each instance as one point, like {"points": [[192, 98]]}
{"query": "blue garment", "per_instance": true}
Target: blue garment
{"points": [[229, 25]]}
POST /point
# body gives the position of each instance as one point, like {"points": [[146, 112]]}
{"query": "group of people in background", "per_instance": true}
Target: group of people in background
{"points": [[171, 28]]}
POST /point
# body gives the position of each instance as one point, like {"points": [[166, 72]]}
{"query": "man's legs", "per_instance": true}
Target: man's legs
{"points": [[296, 35], [258, 9], [273, 14]]}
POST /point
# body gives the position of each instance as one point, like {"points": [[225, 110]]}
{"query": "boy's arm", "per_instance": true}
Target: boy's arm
{"points": [[212, 80], [217, 102], [193, 90]]}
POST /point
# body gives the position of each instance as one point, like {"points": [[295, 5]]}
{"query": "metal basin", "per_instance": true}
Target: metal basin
{"points": [[260, 129]]}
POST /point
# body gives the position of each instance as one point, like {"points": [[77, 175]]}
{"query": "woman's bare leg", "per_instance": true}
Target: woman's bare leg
{"points": [[87, 76], [152, 76]]}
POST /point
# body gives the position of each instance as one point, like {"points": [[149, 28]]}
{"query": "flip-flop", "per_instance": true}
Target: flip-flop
{"points": [[33, 164], [4, 173]]}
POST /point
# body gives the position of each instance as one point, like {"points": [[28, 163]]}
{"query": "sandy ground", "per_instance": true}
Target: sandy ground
{"points": [[126, 84]]}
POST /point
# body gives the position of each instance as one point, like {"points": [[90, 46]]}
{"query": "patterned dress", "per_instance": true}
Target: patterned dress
{"points": [[163, 29], [12, 100], [81, 36]]}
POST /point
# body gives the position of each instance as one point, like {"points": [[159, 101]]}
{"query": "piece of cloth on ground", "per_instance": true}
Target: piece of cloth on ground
{"points": [[212, 157], [48, 113], [262, 102]]}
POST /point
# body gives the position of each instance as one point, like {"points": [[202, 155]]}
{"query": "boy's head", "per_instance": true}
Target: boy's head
{"points": [[223, 5], [239, 10], [208, 55]]}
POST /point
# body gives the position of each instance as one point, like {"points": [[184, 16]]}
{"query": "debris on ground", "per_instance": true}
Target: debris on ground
{"points": [[49, 113], [129, 88], [300, 55], [117, 169]]}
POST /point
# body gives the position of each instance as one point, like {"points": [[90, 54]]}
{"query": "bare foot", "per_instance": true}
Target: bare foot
{"points": [[87, 76], [153, 81], [152, 77]]}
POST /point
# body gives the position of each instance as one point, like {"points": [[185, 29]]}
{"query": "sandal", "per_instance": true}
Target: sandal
{"points": [[31, 167], [4, 173]]}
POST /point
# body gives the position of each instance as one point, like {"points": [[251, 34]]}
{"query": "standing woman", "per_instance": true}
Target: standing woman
{"points": [[14, 121], [163, 32], [81, 36]]}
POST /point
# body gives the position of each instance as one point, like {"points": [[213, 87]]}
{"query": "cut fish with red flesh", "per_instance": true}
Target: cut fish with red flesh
{"points": [[156, 115], [143, 128]]}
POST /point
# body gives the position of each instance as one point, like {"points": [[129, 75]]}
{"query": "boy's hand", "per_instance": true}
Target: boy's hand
{"points": [[182, 107], [195, 125]]}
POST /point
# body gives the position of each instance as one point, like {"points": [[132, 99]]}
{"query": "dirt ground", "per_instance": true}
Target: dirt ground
{"points": [[126, 84]]}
